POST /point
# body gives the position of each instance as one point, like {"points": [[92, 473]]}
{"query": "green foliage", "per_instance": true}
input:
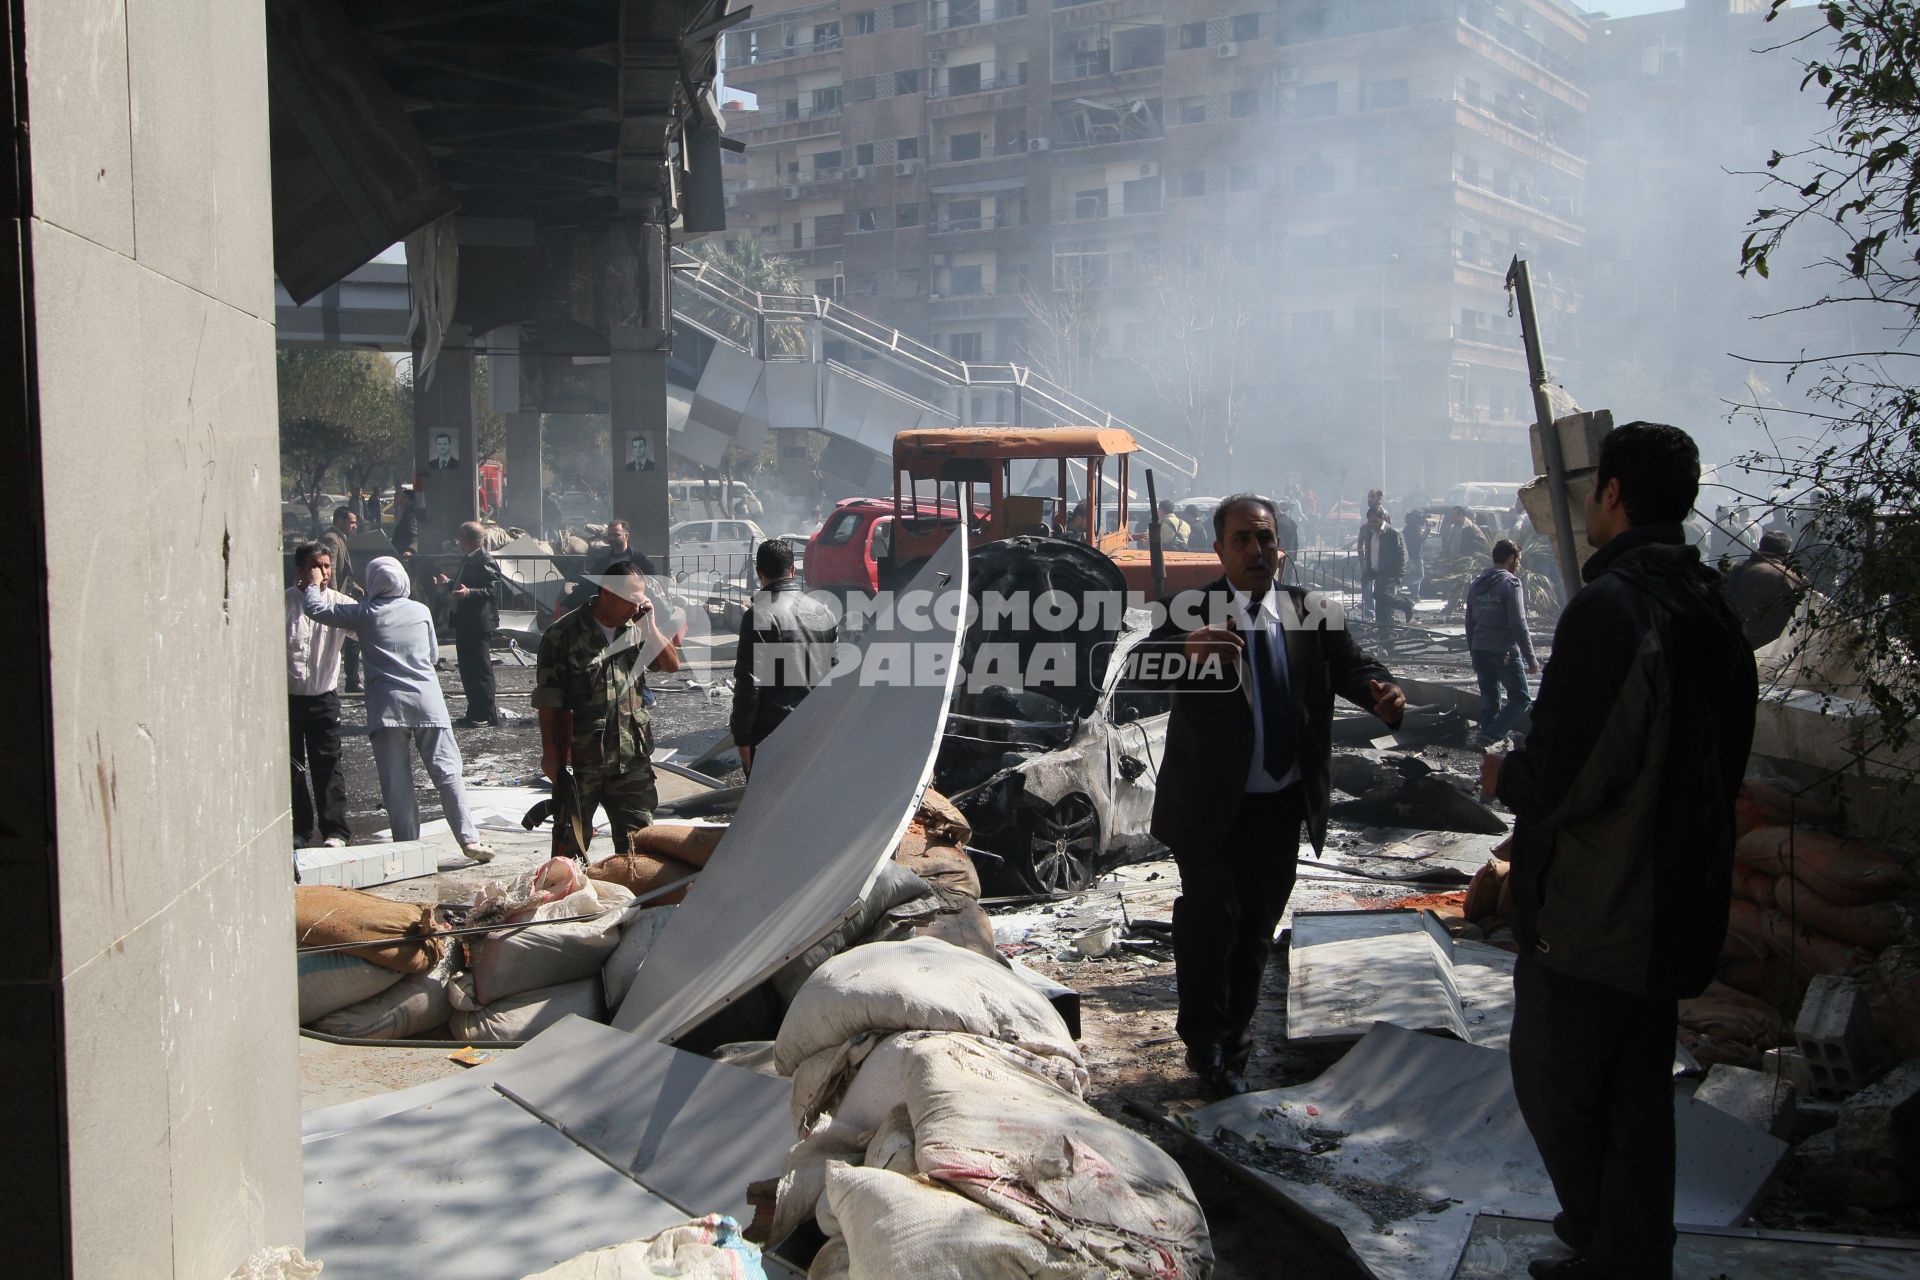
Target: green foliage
{"points": [[766, 274], [1847, 469], [343, 414]]}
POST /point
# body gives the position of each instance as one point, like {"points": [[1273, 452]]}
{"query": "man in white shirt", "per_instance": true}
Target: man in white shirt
{"points": [[313, 710]]}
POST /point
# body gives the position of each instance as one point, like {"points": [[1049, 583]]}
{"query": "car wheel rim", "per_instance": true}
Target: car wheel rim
{"points": [[1063, 844]]}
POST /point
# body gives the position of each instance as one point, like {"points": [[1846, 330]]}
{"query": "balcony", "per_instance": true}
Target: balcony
{"points": [[1530, 135], [960, 226], [803, 244], [1006, 155], [781, 124], [766, 54], [947, 91], [974, 15]]}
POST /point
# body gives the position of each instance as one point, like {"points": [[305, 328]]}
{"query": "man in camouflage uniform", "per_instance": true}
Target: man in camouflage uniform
{"points": [[592, 670]]}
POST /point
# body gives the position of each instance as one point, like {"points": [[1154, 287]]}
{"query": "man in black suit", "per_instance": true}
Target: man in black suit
{"points": [[1248, 759]]}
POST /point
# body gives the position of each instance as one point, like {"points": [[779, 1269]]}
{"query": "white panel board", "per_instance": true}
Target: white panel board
{"points": [[699, 444], [846, 405], [1350, 969], [814, 825], [1501, 1247], [725, 390], [362, 866], [1417, 1134], [751, 434], [793, 389]]}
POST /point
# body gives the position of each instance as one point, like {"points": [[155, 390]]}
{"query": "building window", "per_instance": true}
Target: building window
{"points": [[1243, 177], [963, 146], [906, 82], [966, 282], [1662, 56], [1380, 171], [1192, 110], [1321, 99], [1312, 326], [907, 149], [964, 346], [963, 79], [1246, 26], [907, 15], [906, 215], [826, 162], [865, 23], [963, 215], [1193, 182], [863, 153], [1242, 103], [866, 219], [1090, 204], [1387, 93], [1315, 179], [1193, 35], [826, 101]]}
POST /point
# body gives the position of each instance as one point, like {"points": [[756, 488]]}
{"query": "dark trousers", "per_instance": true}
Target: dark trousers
{"points": [[1593, 1073], [313, 725], [1231, 900], [1500, 672], [1384, 595], [350, 663], [471, 651]]}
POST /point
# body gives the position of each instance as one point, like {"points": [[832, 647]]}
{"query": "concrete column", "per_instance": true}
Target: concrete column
{"points": [[147, 984], [443, 407], [525, 486], [640, 414]]}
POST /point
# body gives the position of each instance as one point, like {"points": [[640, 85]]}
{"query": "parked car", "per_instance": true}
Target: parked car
{"points": [[1057, 779], [852, 547], [711, 499], [717, 548]]}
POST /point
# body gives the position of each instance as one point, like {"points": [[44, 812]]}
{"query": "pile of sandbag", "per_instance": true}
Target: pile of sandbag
{"points": [[391, 988], [943, 1132], [1805, 903]]}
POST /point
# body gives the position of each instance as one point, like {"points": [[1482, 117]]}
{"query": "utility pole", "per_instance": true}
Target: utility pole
{"points": [[1566, 555]]}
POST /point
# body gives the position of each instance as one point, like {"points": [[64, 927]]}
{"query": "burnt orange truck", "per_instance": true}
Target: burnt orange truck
{"points": [[976, 468]]}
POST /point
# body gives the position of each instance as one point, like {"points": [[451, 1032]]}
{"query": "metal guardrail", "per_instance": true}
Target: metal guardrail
{"points": [[1050, 402]]}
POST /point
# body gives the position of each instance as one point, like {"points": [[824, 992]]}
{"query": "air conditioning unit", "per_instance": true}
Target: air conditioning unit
{"points": [[905, 168], [793, 193], [1150, 169], [856, 172], [933, 297], [1287, 75], [942, 259], [1036, 144], [936, 57], [1227, 50]]}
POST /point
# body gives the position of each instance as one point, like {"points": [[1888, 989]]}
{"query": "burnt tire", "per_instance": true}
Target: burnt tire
{"points": [[1057, 847]]}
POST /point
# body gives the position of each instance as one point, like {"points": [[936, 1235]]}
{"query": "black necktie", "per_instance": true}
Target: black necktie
{"points": [[1276, 713]]}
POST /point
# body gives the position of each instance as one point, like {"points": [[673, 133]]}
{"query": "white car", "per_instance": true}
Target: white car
{"points": [[713, 548]]}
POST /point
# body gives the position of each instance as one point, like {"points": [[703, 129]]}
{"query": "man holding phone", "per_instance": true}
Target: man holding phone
{"points": [[589, 692]]}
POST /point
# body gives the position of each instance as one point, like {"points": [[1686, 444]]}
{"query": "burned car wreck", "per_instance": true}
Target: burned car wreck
{"points": [[1051, 761]]}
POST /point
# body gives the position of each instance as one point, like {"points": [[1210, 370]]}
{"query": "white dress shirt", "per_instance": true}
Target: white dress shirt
{"points": [[313, 650], [1266, 616]]}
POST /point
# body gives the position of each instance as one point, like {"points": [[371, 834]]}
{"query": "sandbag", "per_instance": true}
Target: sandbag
{"points": [[1846, 873], [1811, 953], [1750, 884], [893, 887], [891, 1147], [1746, 932], [943, 823], [1769, 802], [1893, 996], [885, 1226], [941, 865], [676, 842], [1484, 890], [637, 936], [325, 915], [1874, 925], [709, 1248], [1769, 979], [960, 921], [506, 964], [1047, 1161], [1724, 1013], [918, 984], [643, 873], [416, 1003], [335, 980], [803, 1176], [526, 1015]]}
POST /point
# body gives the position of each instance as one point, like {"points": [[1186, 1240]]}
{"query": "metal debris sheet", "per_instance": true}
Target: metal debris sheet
{"points": [[1501, 1247], [1400, 1143], [833, 790], [1350, 969]]}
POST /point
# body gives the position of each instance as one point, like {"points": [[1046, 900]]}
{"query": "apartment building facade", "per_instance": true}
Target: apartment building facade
{"points": [[1277, 236]]}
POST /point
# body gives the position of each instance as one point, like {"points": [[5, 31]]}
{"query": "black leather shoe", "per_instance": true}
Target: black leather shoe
{"points": [[1563, 1228], [1229, 1082], [1578, 1267], [1206, 1060]]}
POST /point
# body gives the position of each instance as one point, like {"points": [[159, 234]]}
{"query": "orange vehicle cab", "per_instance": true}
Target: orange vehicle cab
{"points": [[940, 471]]}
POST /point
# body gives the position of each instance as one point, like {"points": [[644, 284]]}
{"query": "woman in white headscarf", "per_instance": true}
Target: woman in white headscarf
{"points": [[404, 703]]}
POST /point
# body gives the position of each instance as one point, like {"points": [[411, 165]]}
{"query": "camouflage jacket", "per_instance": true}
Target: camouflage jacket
{"points": [[600, 683]]}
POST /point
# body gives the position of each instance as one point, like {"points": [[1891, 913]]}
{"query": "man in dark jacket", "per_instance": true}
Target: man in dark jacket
{"points": [[1622, 861], [787, 643], [1764, 591], [475, 595], [1498, 640], [1247, 761], [345, 524], [1381, 571]]}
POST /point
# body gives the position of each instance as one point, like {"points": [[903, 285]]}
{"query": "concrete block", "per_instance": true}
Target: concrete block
{"points": [[1835, 1175], [82, 154], [1580, 436], [1791, 1066], [1752, 1097], [365, 865], [1884, 1119], [1835, 1032]]}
